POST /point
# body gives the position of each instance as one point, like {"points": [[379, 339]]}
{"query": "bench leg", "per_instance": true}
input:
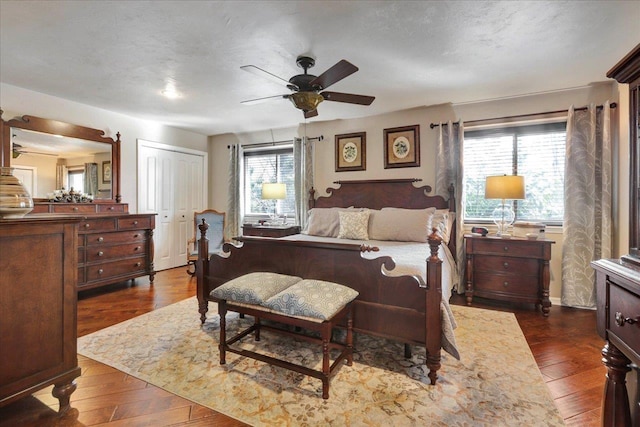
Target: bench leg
{"points": [[256, 323], [350, 338], [222, 309], [326, 336]]}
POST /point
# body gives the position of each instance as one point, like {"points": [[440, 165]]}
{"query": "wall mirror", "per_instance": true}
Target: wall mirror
{"points": [[49, 155]]}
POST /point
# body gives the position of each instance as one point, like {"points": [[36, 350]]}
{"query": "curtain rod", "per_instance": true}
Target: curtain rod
{"points": [[274, 143], [599, 107]]}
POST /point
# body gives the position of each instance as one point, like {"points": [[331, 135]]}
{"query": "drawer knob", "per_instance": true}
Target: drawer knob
{"points": [[100, 239], [111, 208], [135, 222], [138, 264], [75, 209], [137, 248], [621, 320], [100, 253], [135, 236], [505, 284], [87, 225], [506, 248], [100, 271], [505, 265]]}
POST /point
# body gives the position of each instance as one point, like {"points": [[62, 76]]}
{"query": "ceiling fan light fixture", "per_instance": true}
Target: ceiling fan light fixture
{"points": [[306, 101]]}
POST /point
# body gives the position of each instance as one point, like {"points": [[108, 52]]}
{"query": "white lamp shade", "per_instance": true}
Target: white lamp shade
{"points": [[272, 191], [504, 187]]}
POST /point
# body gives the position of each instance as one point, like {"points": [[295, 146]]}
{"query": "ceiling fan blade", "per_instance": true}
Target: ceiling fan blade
{"points": [[264, 73], [334, 74], [348, 97], [265, 99], [309, 114]]}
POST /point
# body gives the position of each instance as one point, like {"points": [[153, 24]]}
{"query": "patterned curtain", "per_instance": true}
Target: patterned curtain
{"points": [[91, 179], [62, 177], [587, 202], [303, 171], [232, 227], [449, 171]]}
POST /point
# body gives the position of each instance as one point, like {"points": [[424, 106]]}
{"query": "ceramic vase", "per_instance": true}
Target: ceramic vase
{"points": [[15, 200]]}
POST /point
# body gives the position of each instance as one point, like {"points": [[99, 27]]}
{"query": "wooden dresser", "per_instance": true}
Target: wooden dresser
{"points": [[513, 269], [113, 248], [618, 323], [38, 326]]}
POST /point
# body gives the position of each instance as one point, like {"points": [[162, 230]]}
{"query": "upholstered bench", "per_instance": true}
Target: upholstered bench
{"points": [[306, 304]]}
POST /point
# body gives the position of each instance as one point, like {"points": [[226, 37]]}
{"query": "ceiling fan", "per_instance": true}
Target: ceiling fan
{"points": [[18, 150], [308, 90]]}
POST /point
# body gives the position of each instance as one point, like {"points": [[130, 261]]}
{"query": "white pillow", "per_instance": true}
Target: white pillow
{"points": [[402, 225], [354, 225], [324, 222], [442, 220]]}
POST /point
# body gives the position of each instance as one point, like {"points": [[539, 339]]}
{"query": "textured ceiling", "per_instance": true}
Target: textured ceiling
{"points": [[120, 55]]}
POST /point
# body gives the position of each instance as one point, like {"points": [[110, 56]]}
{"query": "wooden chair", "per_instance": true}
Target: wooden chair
{"points": [[215, 235]]}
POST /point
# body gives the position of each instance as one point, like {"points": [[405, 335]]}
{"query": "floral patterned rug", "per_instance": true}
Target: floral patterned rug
{"points": [[496, 383]]}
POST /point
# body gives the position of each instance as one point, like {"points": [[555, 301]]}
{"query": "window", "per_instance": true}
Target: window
{"points": [[536, 152], [268, 165], [76, 180]]}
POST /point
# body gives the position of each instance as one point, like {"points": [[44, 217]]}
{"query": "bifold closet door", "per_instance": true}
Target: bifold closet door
{"points": [[171, 184]]}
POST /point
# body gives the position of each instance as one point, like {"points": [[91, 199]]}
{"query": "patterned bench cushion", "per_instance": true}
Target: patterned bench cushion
{"points": [[312, 298], [254, 288]]}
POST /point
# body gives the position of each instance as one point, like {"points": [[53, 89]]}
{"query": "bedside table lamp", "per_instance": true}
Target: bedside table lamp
{"points": [[274, 191], [504, 187]]}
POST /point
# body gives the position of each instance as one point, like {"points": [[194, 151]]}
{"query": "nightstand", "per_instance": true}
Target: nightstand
{"points": [[514, 269], [269, 230]]}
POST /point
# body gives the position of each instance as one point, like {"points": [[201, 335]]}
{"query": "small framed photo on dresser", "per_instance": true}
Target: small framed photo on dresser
{"points": [[402, 147], [351, 152]]}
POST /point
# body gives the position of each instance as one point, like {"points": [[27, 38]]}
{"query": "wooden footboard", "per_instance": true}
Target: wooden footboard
{"points": [[400, 308]]}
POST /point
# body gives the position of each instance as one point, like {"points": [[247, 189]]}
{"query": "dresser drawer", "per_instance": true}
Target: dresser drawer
{"points": [[112, 208], [97, 225], [624, 304], [116, 237], [98, 253], [135, 222], [520, 266], [506, 283], [115, 268], [74, 208], [506, 247]]}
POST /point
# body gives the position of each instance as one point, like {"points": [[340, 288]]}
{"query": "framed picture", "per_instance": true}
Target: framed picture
{"points": [[402, 147], [106, 171], [351, 152]]}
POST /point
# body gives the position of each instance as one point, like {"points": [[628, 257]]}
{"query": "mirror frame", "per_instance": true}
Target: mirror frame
{"points": [[55, 127]]}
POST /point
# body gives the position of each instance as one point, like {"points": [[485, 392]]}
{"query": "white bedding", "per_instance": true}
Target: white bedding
{"points": [[410, 258]]}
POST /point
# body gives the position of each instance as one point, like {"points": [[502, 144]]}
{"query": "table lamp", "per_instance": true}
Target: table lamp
{"points": [[504, 187], [274, 191]]}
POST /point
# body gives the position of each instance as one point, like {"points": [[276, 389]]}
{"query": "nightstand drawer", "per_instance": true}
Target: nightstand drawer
{"points": [[507, 247], [507, 283], [269, 231], [625, 305], [520, 266]]}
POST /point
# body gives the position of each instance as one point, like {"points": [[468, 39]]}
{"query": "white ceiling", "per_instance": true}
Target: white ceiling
{"points": [[119, 55]]}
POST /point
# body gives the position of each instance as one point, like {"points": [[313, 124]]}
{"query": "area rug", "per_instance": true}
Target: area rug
{"points": [[496, 382]]}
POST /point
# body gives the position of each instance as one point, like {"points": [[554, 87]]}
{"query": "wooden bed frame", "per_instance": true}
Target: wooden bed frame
{"points": [[398, 308]]}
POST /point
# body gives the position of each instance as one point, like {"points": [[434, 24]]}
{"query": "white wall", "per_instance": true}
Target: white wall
{"points": [[374, 125], [16, 102]]}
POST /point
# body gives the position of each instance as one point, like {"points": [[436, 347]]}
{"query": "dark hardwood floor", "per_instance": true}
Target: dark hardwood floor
{"points": [[565, 346]]}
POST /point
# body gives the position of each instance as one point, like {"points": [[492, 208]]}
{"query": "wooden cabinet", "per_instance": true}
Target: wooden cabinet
{"points": [[79, 208], [618, 323], [270, 230], [113, 248], [38, 326], [513, 269]]}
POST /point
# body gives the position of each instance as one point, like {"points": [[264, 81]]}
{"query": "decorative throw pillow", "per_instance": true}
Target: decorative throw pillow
{"points": [[312, 298], [354, 225], [324, 222], [254, 288], [402, 225]]}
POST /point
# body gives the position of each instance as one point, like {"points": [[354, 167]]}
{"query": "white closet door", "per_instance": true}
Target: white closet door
{"points": [[172, 184]]}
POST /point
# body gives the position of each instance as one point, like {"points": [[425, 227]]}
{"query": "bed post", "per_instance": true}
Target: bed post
{"points": [[312, 198], [202, 271], [433, 338]]}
